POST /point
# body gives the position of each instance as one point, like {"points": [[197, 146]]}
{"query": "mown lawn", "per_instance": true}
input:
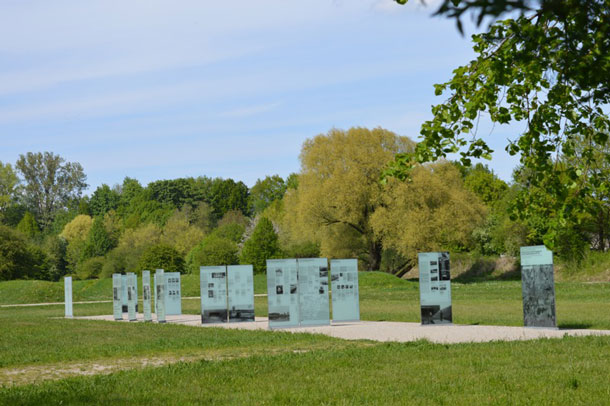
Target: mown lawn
{"points": [[40, 335], [261, 367], [382, 297], [570, 371]]}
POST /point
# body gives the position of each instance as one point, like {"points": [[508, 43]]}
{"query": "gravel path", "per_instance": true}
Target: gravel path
{"points": [[393, 331]]}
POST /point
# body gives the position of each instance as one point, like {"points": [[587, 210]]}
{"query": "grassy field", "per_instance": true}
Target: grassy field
{"points": [[382, 297], [565, 371], [45, 359], [20, 291]]}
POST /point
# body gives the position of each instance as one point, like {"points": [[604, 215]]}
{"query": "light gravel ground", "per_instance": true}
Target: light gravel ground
{"points": [[392, 331]]}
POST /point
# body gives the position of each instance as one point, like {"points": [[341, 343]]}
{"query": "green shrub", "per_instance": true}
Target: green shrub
{"points": [[230, 231], [55, 250], [262, 245], [28, 225], [161, 256], [212, 251], [18, 259], [113, 264], [307, 249], [90, 268], [98, 241]]}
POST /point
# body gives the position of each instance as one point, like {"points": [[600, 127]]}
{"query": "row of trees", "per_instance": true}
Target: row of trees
{"points": [[49, 228], [546, 67], [337, 206]]}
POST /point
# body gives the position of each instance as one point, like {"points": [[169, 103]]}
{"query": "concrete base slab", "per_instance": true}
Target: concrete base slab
{"points": [[389, 331]]}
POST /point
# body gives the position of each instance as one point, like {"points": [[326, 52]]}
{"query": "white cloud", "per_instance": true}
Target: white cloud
{"points": [[249, 110], [154, 86], [73, 40]]}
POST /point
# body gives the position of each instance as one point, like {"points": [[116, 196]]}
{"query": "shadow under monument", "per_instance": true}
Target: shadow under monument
{"points": [[574, 326]]}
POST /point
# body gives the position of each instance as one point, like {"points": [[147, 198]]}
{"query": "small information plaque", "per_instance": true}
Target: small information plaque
{"points": [[313, 291], [68, 296], [344, 285], [160, 289], [435, 288], [173, 294], [240, 288], [124, 293], [538, 287], [282, 293], [117, 300], [146, 295], [132, 299], [213, 282]]}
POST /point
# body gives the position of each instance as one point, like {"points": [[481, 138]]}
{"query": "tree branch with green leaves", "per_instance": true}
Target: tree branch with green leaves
{"points": [[548, 70]]}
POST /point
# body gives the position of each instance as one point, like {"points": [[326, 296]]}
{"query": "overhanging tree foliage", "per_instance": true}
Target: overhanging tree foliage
{"points": [[548, 70]]}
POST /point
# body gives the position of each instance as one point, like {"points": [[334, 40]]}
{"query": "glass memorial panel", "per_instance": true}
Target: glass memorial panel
{"points": [[146, 295], [240, 288], [538, 287], [124, 293], [68, 296], [282, 293], [314, 306], [435, 288], [344, 285], [173, 294], [160, 289], [213, 282], [117, 301], [131, 296], [155, 290]]}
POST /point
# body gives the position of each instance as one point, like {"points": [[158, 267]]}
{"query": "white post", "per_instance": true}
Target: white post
{"points": [[68, 296]]}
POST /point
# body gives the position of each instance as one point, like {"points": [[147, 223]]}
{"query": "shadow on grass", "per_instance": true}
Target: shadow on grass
{"points": [[487, 269], [574, 326]]}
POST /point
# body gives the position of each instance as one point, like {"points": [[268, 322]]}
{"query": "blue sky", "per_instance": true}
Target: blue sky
{"points": [[163, 89]]}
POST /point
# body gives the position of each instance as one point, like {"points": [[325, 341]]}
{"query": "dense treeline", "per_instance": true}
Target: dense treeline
{"points": [[335, 207]]}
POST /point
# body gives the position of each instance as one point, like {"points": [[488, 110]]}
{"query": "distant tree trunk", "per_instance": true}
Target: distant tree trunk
{"points": [[602, 235], [374, 262]]}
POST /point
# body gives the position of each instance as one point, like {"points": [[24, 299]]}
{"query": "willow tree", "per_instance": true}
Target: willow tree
{"points": [[339, 191], [434, 211]]}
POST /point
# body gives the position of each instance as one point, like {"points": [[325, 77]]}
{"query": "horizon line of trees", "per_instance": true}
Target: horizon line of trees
{"points": [[336, 207]]}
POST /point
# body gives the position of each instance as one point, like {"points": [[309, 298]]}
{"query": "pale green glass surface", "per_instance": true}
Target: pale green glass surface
{"points": [[146, 295], [155, 291], [314, 306], [240, 288], [173, 294], [435, 288], [68, 296], [124, 291], [213, 284], [131, 296], [282, 293], [160, 289], [344, 285], [538, 287], [117, 301], [536, 255]]}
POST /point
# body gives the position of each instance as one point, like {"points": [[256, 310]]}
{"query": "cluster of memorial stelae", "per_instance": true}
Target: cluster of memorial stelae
{"points": [[299, 291]]}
